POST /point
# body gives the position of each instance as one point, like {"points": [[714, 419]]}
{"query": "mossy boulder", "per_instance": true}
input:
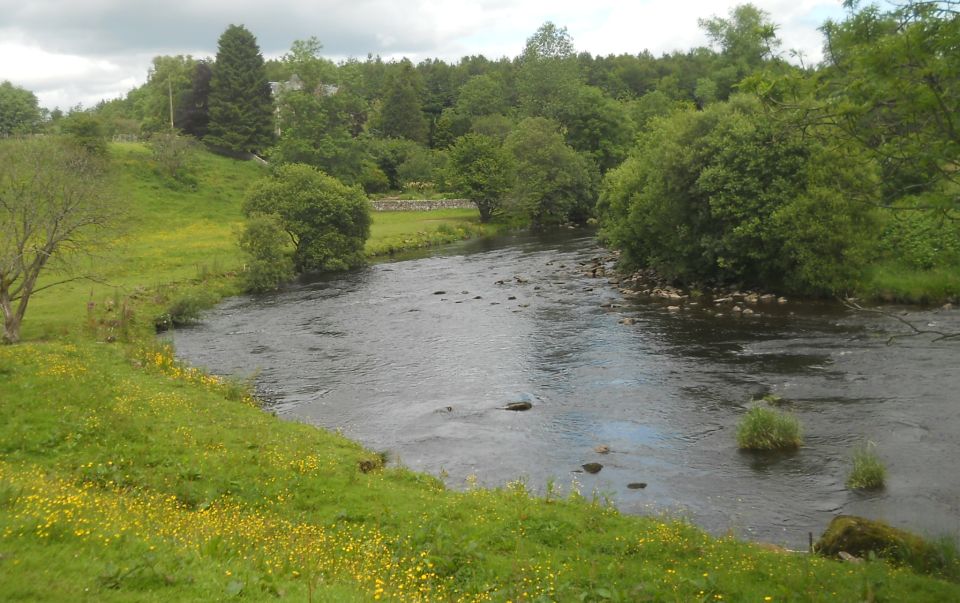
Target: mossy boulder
{"points": [[860, 537]]}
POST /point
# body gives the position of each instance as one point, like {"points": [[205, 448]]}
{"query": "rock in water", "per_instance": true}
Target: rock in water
{"points": [[522, 405], [601, 449], [592, 467], [637, 485]]}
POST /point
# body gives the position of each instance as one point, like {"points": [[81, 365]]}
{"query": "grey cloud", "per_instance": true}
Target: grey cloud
{"points": [[111, 27]]}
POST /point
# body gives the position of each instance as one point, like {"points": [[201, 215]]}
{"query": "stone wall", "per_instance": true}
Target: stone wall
{"points": [[420, 204]]}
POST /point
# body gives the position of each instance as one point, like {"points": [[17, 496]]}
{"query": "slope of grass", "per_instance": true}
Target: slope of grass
{"points": [[125, 476]]}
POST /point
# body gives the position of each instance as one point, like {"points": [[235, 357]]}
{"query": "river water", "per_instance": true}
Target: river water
{"points": [[418, 357]]}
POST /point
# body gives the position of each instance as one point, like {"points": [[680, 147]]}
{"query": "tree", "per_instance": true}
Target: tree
{"points": [[597, 125], [731, 195], [548, 71], [240, 104], [192, 113], [19, 112], [747, 38], [163, 96], [52, 205], [85, 130], [173, 154], [892, 87], [554, 184], [327, 221], [481, 171], [401, 115]]}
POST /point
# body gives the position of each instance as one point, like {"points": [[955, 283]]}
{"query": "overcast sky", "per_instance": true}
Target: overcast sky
{"points": [[82, 51]]}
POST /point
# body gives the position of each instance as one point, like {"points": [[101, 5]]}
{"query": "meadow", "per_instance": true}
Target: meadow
{"points": [[127, 476]]}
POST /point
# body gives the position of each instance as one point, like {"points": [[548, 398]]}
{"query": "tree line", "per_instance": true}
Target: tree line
{"points": [[725, 165]]}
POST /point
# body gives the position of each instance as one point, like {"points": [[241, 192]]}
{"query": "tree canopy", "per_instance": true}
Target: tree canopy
{"points": [[327, 221], [19, 111]]}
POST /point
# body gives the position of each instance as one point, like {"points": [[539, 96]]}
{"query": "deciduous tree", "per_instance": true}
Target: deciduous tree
{"points": [[481, 171], [52, 206], [19, 112]]}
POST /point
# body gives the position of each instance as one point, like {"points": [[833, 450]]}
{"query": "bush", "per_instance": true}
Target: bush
{"points": [[767, 429], [172, 154], [327, 221], [868, 471], [264, 242], [183, 310]]}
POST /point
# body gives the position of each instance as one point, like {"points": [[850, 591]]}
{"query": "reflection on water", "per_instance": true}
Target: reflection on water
{"points": [[382, 353]]}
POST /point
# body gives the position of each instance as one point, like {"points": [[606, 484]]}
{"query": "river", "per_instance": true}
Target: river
{"points": [[418, 357]]}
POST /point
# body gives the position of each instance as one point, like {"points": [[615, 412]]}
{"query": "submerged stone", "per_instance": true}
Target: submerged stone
{"points": [[592, 467]]}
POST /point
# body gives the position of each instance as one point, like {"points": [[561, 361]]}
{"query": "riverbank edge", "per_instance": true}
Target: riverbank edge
{"points": [[681, 577]]}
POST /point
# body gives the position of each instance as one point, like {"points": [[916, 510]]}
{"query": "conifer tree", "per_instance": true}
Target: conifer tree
{"points": [[240, 104], [402, 114]]}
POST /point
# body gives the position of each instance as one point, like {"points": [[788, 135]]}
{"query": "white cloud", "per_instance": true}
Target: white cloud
{"points": [[69, 51]]}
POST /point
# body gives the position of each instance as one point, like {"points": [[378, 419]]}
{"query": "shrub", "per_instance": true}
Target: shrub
{"points": [[264, 242], [327, 221], [183, 310], [768, 429], [868, 471]]}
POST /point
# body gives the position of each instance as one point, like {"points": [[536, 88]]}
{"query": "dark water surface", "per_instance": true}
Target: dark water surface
{"points": [[380, 355]]}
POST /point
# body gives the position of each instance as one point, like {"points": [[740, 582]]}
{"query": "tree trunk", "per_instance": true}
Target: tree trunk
{"points": [[11, 322]]}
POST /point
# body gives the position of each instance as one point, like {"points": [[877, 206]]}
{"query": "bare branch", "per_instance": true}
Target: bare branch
{"points": [[914, 329]]}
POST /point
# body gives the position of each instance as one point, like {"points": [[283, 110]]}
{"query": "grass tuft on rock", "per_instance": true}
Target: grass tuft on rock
{"points": [[868, 472], [767, 429]]}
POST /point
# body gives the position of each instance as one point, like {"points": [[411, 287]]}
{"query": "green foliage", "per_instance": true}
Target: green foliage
{"points": [[240, 104], [182, 81], [480, 170], [19, 111], [892, 87], [264, 242], [482, 95], [327, 221], [184, 310], [401, 115], [868, 472], [548, 73], [746, 37], [85, 130], [597, 125], [921, 240], [768, 429], [173, 155], [730, 195], [554, 184]]}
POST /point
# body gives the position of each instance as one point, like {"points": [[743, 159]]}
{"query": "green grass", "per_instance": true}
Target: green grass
{"points": [[767, 429], [125, 476], [893, 282], [394, 232], [868, 472]]}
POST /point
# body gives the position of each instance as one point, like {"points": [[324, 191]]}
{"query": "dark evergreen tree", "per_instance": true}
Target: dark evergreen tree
{"points": [[193, 114], [240, 105], [401, 115]]}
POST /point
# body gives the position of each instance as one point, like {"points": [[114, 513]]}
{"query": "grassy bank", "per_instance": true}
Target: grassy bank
{"points": [[125, 476]]}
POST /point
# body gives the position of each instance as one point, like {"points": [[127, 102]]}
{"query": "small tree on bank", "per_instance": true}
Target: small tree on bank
{"points": [[327, 221], [51, 206], [481, 171]]}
